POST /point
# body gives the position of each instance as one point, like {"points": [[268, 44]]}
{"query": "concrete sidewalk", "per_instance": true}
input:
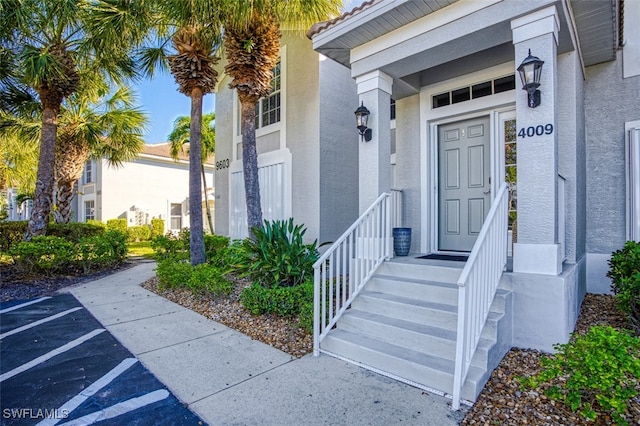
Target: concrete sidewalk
{"points": [[226, 377]]}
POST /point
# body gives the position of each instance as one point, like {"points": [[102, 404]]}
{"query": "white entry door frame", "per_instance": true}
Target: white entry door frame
{"points": [[497, 118]]}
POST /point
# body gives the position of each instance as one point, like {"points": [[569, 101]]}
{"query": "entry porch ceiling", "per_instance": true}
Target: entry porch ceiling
{"points": [[466, 44]]}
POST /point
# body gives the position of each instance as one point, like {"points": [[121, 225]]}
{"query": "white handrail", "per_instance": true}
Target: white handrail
{"points": [[477, 287], [341, 272]]}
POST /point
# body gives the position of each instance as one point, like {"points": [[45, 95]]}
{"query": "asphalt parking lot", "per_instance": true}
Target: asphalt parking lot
{"points": [[60, 366]]}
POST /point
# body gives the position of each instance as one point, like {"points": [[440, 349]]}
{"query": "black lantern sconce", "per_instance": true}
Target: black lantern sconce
{"points": [[362, 116], [530, 70]]}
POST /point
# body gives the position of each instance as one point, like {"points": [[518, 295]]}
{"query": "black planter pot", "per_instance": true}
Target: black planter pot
{"points": [[401, 241]]}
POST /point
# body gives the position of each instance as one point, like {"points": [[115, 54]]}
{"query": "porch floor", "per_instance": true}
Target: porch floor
{"points": [[413, 259]]}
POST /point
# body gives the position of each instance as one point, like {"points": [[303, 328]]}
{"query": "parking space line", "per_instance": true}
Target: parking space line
{"points": [[37, 323], [75, 402], [120, 408], [49, 355], [22, 305]]}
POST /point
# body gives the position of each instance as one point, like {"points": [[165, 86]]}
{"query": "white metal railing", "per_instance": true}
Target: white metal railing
{"points": [[477, 287], [342, 271]]}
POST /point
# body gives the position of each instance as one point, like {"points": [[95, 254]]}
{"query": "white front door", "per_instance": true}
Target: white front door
{"points": [[464, 182]]}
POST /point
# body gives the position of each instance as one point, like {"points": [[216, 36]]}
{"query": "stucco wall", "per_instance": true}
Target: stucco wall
{"points": [[408, 155], [571, 161], [610, 101], [224, 147], [146, 184], [338, 151]]}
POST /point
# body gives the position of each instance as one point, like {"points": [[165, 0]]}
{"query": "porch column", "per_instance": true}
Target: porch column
{"points": [[374, 91], [537, 249]]}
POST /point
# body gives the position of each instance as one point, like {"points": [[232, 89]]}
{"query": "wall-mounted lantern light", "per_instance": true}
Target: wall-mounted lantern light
{"points": [[362, 116], [530, 70]]}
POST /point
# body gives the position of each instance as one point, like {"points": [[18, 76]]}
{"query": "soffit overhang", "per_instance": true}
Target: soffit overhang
{"points": [[419, 41]]}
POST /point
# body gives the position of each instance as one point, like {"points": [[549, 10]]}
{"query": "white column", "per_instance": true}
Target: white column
{"points": [[374, 90], [537, 249]]}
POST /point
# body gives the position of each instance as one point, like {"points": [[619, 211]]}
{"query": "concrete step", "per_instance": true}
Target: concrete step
{"points": [[424, 369], [434, 291], [421, 311], [437, 273]]}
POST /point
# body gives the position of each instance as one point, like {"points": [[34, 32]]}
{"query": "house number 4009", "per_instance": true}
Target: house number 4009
{"points": [[538, 130]]}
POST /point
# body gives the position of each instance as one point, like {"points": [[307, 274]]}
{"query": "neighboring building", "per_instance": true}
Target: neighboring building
{"points": [[307, 150], [151, 186], [462, 130]]}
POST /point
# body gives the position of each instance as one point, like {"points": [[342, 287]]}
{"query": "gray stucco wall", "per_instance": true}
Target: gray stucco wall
{"points": [[408, 149], [610, 101], [224, 147], [302, 130], [571, 161], [338, 151]]}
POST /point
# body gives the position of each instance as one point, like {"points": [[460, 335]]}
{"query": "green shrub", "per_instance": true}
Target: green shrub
{"points": [[117, 225], [74, 231], [173, 274], [157, 228], [305, 318], [11, 233], [175, 247], [97, 223], [138, 233], [600, 370], [102, 251], [624, 271], [278, 257], [208, 278], [45, 255], [283, 301]]}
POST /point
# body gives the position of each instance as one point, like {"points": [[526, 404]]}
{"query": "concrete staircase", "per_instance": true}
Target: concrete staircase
{"points": [[404, 324]]}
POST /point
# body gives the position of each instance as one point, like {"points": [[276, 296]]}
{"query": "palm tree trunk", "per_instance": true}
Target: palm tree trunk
{"points": [[65, 195], [250, 163], [206, 199], [195, 162], [43, 194]]}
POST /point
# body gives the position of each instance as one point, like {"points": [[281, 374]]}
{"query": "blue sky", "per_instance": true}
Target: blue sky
{"points": [[162, 101]]}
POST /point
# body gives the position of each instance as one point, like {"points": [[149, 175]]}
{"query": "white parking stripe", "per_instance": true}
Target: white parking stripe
{"points": [[75, 402], [120, 408], [49, 355], [22, 305], [37, 323]]}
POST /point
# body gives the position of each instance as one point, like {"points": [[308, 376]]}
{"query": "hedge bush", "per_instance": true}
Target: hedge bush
{"points": [[283, 301], [11, 233], [44, 255], [102, 251], [624, 271], [117, 225], [170, 246], [201, 278], [74, 231], [157, 228], [138, 233]]}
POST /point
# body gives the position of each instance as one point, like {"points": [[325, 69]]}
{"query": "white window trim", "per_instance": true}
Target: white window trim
{"points": [[84, 207], [497, 107], [632, 178]]}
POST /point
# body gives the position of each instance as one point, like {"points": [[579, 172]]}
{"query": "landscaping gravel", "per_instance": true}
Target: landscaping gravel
{"points": [[502, 401]]}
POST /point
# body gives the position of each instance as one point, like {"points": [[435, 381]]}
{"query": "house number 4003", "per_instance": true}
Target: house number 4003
{"points": [[538, 130]]}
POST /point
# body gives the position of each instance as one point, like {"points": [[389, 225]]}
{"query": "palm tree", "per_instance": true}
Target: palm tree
{"points": [[53, 43], [109, 127], [179, 138], [252, 44], [189, 34]]}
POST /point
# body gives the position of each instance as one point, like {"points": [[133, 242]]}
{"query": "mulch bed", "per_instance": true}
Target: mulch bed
{"points": [[502, 401]]}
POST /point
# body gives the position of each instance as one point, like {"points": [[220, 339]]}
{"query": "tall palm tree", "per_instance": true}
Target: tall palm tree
{"points": [[252, 44], [52, 43], [109, 127], [179, 138], [96, 123], [189, 34]]}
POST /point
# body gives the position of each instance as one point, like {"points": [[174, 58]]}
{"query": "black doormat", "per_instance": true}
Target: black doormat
{"points": [[451, 257]]}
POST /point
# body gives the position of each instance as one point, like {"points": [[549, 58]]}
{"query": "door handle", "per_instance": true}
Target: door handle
{"points": [[486, 192]]}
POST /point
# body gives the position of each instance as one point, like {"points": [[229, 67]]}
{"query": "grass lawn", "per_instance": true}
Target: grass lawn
{"points": [[142, 248]]}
